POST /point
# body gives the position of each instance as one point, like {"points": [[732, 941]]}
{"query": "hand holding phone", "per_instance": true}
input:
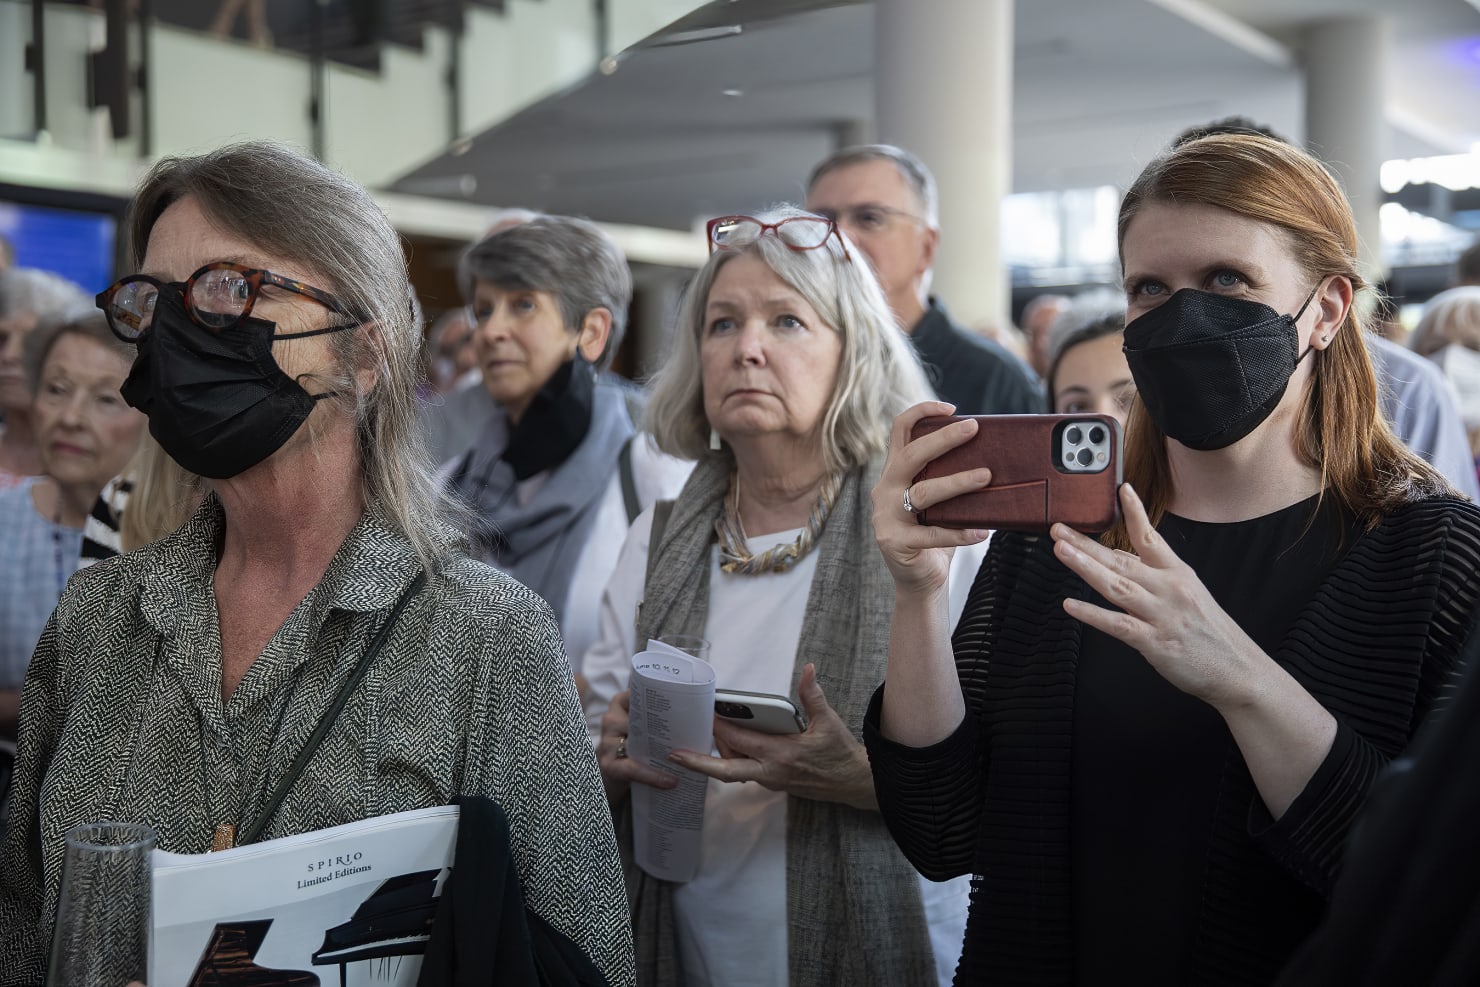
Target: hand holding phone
{"points": [[1045, 469], [760, 711]]}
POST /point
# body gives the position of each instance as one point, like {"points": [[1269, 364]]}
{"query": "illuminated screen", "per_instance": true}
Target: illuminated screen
{"points": [[76, 244]]}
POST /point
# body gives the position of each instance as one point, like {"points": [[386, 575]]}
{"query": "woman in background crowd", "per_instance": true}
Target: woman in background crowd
{"points": [[557, 472], [85, 433], [1448, 333], [278, 358], [1087, 371], [27, 296], [1153, 748], [784, 372]]}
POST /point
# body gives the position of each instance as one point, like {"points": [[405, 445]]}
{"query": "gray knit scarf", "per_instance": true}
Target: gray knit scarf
{"points": [[853, 908]]}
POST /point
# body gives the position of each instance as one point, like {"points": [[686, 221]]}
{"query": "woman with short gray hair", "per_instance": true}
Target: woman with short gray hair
{"points": [[28, 296], [314, 611], [557, 471], [782, 378]]}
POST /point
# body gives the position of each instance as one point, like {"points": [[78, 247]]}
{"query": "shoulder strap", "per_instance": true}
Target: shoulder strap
{"points": [[629, 482], [251, 832], [661, 511]]}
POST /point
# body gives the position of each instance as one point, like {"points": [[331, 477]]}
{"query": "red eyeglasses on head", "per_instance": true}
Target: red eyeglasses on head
{"points": [[797, 232]]}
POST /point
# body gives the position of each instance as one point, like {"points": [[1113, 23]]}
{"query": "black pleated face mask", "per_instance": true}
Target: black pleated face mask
{"points": [[217, 402], [1210, 369]]}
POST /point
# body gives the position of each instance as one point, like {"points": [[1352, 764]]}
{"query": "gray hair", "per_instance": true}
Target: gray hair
{"points": [[572, 259], [295, 208], [32, 291], [89, 325], [1451, 316], [913, 170], [878, 377]]}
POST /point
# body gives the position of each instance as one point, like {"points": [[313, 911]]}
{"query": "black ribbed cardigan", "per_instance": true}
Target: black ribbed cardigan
{"points": [[1379, 645]]}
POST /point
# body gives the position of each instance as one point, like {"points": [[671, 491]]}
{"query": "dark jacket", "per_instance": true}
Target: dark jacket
{"points": [[972, 372], [483, 933]]}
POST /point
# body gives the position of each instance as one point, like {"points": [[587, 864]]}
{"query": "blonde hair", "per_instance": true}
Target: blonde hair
{"points": [[161, 498], [1341, 430], [878, 373], [1451, 316]]}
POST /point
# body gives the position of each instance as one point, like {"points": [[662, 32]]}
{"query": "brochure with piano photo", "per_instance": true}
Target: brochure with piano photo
{"points": [[349, 905]]}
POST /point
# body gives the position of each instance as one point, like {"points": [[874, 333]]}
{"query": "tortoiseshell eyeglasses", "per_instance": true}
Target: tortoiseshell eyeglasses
{"points": [[218, 296]]}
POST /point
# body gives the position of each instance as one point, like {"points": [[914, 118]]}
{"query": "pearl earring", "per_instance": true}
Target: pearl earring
{"points": [[713, 439]]}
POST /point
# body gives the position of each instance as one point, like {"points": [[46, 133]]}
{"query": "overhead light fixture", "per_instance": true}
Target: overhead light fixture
{"points": [[732, 93], [697, 36]]}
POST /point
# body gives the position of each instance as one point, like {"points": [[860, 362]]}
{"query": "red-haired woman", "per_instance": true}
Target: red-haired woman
{"points": [[1150, 750]]}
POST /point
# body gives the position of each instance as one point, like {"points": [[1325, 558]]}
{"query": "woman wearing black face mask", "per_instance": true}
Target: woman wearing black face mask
{"points": [[1153, 746], [311, 648], [547, 300]]}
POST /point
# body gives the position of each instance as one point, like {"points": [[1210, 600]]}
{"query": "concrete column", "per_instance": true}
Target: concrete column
{"points": [[943, 90], [1346, 68]]}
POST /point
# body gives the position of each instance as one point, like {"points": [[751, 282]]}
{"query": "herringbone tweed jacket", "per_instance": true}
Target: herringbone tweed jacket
{"points": [[122, 719]]}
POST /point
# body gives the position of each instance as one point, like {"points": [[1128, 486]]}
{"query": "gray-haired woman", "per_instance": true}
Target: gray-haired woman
{"points": [[27, 296], [547, 302], [277, 358], [782, 379]]}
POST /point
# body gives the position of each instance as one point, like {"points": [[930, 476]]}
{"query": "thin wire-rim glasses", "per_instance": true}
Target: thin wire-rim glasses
{"points": [[215, 302], [805, 233]]}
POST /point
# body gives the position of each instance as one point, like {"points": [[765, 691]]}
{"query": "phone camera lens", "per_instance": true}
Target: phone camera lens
{"points": [[1097, 435], [1074, 436], [1086, 457]]}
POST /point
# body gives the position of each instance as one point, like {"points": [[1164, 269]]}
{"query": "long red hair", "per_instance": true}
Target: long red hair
{"points": [[1341, 429]]}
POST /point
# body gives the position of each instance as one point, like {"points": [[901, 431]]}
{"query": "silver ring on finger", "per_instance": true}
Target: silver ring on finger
{"points": [[909, 507], [622, 748]]}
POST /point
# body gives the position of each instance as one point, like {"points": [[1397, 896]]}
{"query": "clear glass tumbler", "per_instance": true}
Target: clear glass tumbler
{"points": [[105, 913]]}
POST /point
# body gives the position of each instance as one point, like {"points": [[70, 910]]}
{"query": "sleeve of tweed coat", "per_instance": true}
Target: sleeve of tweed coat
{"points": [[21, 949], [531, 754]]}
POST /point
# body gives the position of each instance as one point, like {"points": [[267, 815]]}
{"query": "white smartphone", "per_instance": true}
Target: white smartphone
{"points": [[758, 711]]}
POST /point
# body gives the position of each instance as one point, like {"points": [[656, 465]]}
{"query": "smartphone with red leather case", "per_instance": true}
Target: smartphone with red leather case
{"points": [[1031, 486]]}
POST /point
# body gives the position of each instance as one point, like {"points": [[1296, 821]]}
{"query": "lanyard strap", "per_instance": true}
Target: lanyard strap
{"points": [[252, 832]]}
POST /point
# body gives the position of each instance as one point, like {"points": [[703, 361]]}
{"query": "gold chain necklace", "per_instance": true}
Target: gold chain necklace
{"points": [[735, 557]]}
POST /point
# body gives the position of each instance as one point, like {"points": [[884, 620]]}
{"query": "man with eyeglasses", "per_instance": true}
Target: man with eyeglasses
{"points": [[885, 201]]}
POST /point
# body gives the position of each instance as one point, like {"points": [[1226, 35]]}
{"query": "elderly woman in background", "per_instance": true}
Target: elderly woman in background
{"points": [[27, 296], [1449, 334], [557, 473], [783, 375], [85, 433], [278, 358]]}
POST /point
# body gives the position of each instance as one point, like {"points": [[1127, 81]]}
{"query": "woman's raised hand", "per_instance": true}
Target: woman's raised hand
{"points": [[824, 762], [618, 771], [919, 555], [1168, 614]]}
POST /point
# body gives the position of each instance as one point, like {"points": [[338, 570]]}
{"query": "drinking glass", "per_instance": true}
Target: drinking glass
{"points": [[690, 644], [104, 915]]}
